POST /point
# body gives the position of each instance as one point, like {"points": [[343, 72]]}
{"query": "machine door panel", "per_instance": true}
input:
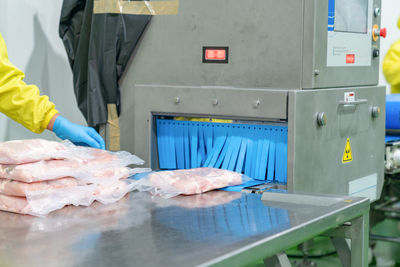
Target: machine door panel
{"points": [[344, 156]]}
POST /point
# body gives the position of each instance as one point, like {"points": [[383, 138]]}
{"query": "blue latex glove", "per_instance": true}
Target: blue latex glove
{"points": [[77, 134]]}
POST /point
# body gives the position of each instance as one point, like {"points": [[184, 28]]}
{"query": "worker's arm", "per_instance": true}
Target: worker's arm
{"points": [[391, 64], [19, 101], [24, 104]]}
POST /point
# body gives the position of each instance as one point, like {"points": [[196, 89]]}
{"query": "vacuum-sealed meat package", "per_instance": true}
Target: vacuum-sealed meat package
{"points": [[188, 182], [40, 203], [14, 204], [56, 169], [25, 151], [28, 151], [20, 189], [39, 176], [85, 162]]}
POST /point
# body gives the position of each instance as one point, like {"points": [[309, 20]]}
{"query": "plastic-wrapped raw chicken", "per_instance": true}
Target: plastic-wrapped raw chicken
{"points": [[25, 151], [86, 161], [47, 181], [56, 169], [17, 188], [40, 203], [20, 189], [168, 184]]}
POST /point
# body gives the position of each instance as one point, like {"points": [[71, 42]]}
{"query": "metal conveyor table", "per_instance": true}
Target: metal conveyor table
{"points": [[215, 228]]}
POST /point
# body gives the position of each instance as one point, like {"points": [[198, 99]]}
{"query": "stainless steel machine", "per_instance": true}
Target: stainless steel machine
{"points": [[304, 70]]}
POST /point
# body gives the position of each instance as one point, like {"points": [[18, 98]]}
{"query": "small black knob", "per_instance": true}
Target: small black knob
{"points": [[375, 52]]}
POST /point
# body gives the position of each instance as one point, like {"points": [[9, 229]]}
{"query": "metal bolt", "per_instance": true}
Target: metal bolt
{"points": [[377, 12], [256, 103], [316, 72], [375, 111], [214, 102], [322, 119], [177, 100]]}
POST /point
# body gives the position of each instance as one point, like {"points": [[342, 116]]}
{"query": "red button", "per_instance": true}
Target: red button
{"points": [[383, 32]]}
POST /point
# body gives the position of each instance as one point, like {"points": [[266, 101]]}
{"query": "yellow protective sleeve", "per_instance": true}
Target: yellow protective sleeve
{"points": [[391, 67], [19, 101]]}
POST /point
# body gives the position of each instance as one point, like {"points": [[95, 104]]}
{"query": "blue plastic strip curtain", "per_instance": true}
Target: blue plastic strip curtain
{"points": [[258, 151]]}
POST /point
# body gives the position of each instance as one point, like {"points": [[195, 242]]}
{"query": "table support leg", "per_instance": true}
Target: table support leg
{"points": [[358, 232], [278, 260]]}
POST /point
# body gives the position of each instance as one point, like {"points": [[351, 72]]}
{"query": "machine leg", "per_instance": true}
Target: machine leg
{"points": [[343, 250], [357, 231], [278, 260], [359, 241]]}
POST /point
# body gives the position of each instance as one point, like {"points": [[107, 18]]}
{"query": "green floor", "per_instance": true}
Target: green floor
{"points": [[384, 254], [387, 254]]}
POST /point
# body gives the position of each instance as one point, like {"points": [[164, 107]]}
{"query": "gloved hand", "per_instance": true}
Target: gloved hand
{"points": [[77, 134]]}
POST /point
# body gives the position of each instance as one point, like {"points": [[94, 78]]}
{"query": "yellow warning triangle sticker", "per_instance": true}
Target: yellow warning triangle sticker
{"points": [[347, 155]]}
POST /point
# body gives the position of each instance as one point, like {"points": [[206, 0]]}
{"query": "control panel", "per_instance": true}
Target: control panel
{"points": [[353, 33]]}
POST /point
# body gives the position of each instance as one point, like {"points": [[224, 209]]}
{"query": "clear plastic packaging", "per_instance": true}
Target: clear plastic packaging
{"points": [[102, 157], [47, 181], [33, 150], [14, 204], [40, 203], [43, 202], [85, 162], [168, 184], [107, 189], [20, 189]]}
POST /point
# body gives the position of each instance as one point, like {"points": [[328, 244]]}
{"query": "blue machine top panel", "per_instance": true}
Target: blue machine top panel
{"points": [[391, 138]]}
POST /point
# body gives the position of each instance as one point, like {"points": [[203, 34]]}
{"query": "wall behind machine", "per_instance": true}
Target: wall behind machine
{"points": [[30, 29], [390, 15]]}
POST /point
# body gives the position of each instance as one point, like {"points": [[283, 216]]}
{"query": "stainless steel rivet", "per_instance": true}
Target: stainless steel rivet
{"points": [[177, 99], [214, 102]]}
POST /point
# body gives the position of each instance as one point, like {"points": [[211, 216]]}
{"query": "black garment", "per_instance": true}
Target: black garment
{"points": [[98, 47]]}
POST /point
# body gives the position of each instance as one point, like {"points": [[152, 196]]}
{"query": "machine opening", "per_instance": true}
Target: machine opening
{"points": [[256, 149]]}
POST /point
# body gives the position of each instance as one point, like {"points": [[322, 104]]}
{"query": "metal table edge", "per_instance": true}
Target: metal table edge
{"points": [[272, 245]]}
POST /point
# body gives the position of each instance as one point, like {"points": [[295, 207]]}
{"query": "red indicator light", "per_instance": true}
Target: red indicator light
{"points": [[350, 58], [351, 94], [215, 54]]}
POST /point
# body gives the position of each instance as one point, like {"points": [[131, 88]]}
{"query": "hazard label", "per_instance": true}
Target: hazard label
{"points": [[347, 155]]}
